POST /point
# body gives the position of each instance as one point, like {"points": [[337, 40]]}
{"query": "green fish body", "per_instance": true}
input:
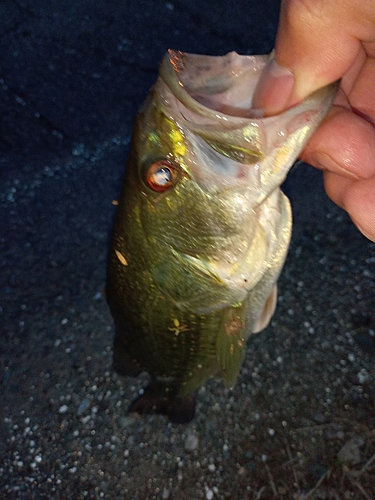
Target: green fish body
{"points": [[202, 229]]}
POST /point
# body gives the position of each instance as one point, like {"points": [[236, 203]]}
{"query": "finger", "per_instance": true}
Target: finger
{"points": [[317, 42], [357, 197], [362, 95], [315, 38], [343, 144]]}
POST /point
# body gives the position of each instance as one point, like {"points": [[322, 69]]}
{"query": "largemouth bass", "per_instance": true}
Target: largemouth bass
{"points": [[202, 229]]}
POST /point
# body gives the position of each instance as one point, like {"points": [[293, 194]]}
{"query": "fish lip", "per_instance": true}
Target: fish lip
{"points": [[173, 67], [246, 140]]}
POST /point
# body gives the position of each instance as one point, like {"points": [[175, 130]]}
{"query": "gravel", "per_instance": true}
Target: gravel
{"points": [[300, 421]]}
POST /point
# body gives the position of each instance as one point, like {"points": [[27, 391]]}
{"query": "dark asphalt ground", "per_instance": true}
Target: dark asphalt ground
{"points": [[72, 75]]}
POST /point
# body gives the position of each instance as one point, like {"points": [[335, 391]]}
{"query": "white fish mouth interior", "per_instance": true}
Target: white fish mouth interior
{"points": [[210, 97], [224, 84]]}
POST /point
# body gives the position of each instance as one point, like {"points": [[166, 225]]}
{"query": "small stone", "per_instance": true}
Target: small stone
{"points": [[191, 442], [363, 376], [83, 406], [350, 452], [209, 495], [63, 409], [319, 418], [241, 471], [166, 493], [126, 421]]}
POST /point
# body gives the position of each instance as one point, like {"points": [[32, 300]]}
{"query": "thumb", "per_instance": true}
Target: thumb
{"points": [[317, 42]]}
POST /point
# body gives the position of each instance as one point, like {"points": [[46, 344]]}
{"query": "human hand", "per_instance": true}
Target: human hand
{"points": [[318, 42]]}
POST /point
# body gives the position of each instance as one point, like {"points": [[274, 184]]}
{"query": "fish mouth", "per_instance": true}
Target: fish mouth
{"points": [[214, 97], [210, 100], [214, 86]]}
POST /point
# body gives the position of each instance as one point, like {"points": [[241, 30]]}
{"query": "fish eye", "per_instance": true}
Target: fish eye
{"points": [[161, 175]]}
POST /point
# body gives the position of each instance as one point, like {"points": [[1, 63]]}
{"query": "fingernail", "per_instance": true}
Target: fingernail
{"points": [[273, 91]]}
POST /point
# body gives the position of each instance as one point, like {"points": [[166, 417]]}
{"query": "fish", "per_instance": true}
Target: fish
{"points": [[202, 228]]}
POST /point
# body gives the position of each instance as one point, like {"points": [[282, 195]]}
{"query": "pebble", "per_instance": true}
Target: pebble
{"points": [[191, 442], [83, 406], [63, 409], [319, 418], [126, 421], [350, 452], [209, 495]]}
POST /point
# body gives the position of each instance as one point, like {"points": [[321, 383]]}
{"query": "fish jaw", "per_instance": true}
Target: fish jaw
{"points": [[210, 98]]}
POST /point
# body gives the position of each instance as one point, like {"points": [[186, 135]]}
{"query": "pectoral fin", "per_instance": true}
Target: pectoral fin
{"points": [[267, 311], [231, 343]]}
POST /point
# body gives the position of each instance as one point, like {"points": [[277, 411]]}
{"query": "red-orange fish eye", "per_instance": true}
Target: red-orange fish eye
{"points": [[161, 175]]}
